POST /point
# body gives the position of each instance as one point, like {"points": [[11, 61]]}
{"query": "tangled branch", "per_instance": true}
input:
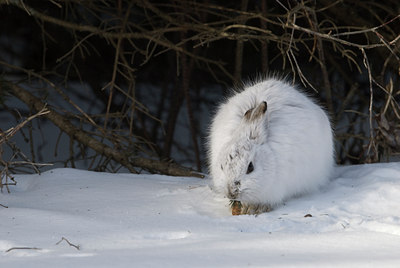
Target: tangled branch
{"points": [[183, 48], [6, 178]]}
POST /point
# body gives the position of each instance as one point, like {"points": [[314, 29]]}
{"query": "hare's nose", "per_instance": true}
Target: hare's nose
{"points": [[233, 190]]}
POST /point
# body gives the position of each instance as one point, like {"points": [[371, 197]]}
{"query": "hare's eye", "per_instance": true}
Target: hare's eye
{"points": [[250, 168]]}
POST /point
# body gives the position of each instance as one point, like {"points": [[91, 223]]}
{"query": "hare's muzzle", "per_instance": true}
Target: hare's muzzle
{"points": [[234, 190]]}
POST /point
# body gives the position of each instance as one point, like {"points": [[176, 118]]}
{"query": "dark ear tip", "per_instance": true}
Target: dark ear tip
{"points": [[264, 108]]}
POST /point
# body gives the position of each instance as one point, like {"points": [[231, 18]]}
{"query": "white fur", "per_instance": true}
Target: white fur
{"points": [[291, 146]]}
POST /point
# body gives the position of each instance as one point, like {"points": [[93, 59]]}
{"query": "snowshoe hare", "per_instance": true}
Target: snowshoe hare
{"points": [[268, 143]]}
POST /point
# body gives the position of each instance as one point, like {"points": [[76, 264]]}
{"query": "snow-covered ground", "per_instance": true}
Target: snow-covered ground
{"points": [[125, 220]]}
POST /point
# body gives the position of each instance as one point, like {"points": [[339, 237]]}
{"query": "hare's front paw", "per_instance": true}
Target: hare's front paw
{"points": [[254, 209]]}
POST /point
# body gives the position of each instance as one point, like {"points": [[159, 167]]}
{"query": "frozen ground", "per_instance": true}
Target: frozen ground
{"points": [[125, 220]]}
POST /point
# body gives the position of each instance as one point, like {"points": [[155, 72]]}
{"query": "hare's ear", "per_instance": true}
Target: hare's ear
{"points": [[247, 114], [256, 113]]}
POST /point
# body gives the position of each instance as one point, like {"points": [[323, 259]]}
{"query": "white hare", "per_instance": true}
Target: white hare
{"points": [[268, 143]]}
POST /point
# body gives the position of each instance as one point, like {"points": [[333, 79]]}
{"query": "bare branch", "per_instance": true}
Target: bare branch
{"points": [[82, 137]]}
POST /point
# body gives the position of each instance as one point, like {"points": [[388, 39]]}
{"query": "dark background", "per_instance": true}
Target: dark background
{"points": [[143, 77]]}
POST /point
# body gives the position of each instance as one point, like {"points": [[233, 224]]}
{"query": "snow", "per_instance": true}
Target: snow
{"points": [[127, 220]]}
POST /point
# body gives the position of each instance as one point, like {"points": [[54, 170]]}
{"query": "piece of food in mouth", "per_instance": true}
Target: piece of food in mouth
{"points": [[236, 207]]}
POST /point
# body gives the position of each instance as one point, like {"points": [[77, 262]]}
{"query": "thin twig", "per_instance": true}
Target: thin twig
{"points": [[4, 136], [371, 100], [22, 248], [338, 40], [69, 243]]}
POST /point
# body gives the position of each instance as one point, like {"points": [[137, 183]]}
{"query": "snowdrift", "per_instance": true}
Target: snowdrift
{"points": [[67, 218]]}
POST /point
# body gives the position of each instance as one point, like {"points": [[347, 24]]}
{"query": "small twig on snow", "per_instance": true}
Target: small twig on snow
{"points": [[14, 248], [69, 243]]}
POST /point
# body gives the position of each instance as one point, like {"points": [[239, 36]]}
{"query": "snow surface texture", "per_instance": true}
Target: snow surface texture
{"points": [[125, 220]]}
